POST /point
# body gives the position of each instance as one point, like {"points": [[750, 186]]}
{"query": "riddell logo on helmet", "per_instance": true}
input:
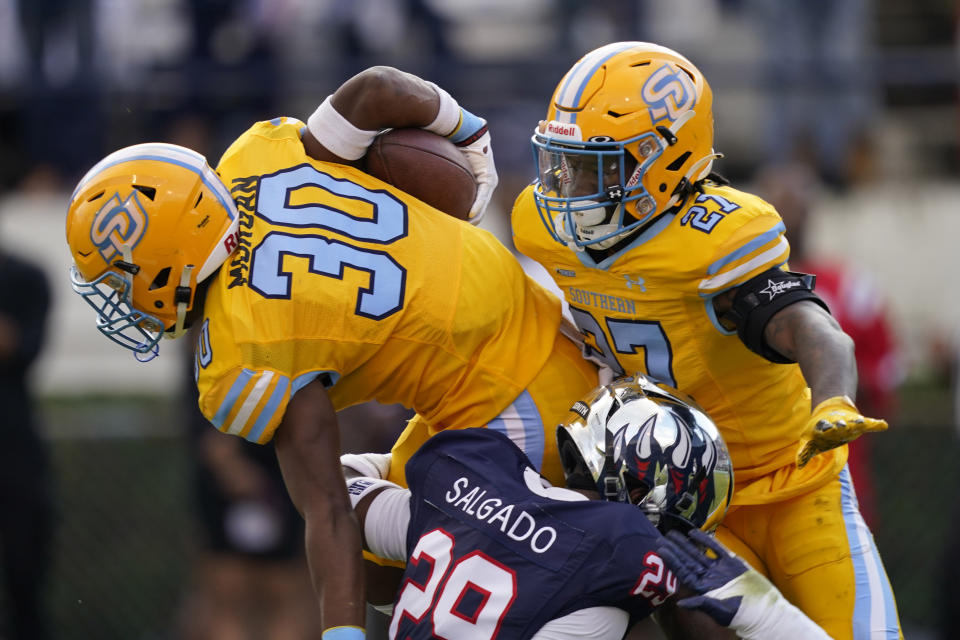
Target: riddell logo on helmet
{"points": [[230, 242], [564, 130], [581, 409], [117, 224]]}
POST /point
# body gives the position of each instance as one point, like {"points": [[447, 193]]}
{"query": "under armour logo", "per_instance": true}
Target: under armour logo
{"points": [[615, 193], [638, 282]]}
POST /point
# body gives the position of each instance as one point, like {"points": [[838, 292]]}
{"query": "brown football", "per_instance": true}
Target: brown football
{"points": [[427, 166]]}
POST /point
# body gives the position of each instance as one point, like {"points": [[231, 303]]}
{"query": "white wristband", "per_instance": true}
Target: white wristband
{"points": [[448, 115], [357, 488], [338, 134]]}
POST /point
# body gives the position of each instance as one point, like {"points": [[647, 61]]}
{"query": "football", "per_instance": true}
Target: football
{"points": [[427, 166]]}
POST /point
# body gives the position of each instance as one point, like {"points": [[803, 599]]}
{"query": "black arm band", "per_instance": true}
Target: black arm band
{"points": [[760, 298]]}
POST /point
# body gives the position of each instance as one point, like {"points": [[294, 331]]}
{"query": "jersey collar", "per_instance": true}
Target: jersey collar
{"points": [[644, 236]]}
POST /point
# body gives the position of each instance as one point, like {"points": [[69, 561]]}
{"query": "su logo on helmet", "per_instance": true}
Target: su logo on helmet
{"points": [[668, 92], [116, 224]]}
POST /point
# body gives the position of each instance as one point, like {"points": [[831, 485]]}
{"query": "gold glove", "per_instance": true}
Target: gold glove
{"points": [[834, 422]]}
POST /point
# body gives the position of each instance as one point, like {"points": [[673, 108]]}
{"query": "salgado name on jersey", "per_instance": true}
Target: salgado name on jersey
{"points": [[492, 511]]}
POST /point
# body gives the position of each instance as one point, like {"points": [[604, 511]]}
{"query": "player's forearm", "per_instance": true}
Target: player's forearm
{"points": [[765, 613], [336, 567], [308, 450], [805, 333], [382, 97], [827, 360]]}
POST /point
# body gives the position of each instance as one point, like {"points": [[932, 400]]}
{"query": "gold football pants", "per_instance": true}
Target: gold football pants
{"points": [[817, 549]]}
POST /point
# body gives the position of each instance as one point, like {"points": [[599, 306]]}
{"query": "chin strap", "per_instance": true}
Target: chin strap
{"points": [[599, 229], [560, 226], [680, 121], [127, 252], [182, 299], [702, 167]]}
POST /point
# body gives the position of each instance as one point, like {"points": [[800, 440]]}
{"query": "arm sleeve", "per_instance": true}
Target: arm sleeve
{"points": [[386, 523], [783, 620], [593, 623], [765, 613]]}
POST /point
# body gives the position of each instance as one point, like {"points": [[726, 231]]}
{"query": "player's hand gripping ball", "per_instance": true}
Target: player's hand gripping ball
{"points": [[427, 166]]}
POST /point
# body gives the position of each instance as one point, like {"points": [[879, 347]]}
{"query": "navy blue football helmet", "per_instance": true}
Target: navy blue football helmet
{"points": [[638, 442]]}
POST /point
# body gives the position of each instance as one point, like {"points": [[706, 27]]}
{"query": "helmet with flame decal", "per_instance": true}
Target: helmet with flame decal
{"points": [[628, 129], [645, 444], [146, 225]]}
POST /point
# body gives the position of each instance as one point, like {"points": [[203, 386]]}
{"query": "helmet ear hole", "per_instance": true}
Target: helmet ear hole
{"points": [[577, 474], [149, 192], [676, 164], [161, 279], [636, 488]]}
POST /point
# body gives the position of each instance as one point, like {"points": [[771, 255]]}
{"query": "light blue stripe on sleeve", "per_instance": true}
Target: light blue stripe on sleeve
{"points": [[748, 248], [521, 422], [228, 402], [268, 411], [306, 378]]}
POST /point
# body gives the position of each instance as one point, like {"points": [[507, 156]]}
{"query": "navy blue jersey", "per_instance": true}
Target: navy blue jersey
{"points": [[495, 554]]}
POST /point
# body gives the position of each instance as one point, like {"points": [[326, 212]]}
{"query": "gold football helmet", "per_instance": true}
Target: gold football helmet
{"points": [[145, 226], [629, 127]]}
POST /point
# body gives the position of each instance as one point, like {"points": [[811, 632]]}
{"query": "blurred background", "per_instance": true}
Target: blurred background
{"points": [[120, 515]]}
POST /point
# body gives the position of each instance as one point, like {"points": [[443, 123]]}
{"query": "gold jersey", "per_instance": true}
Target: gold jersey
{"points": [[649, 308], [343, 277]]}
